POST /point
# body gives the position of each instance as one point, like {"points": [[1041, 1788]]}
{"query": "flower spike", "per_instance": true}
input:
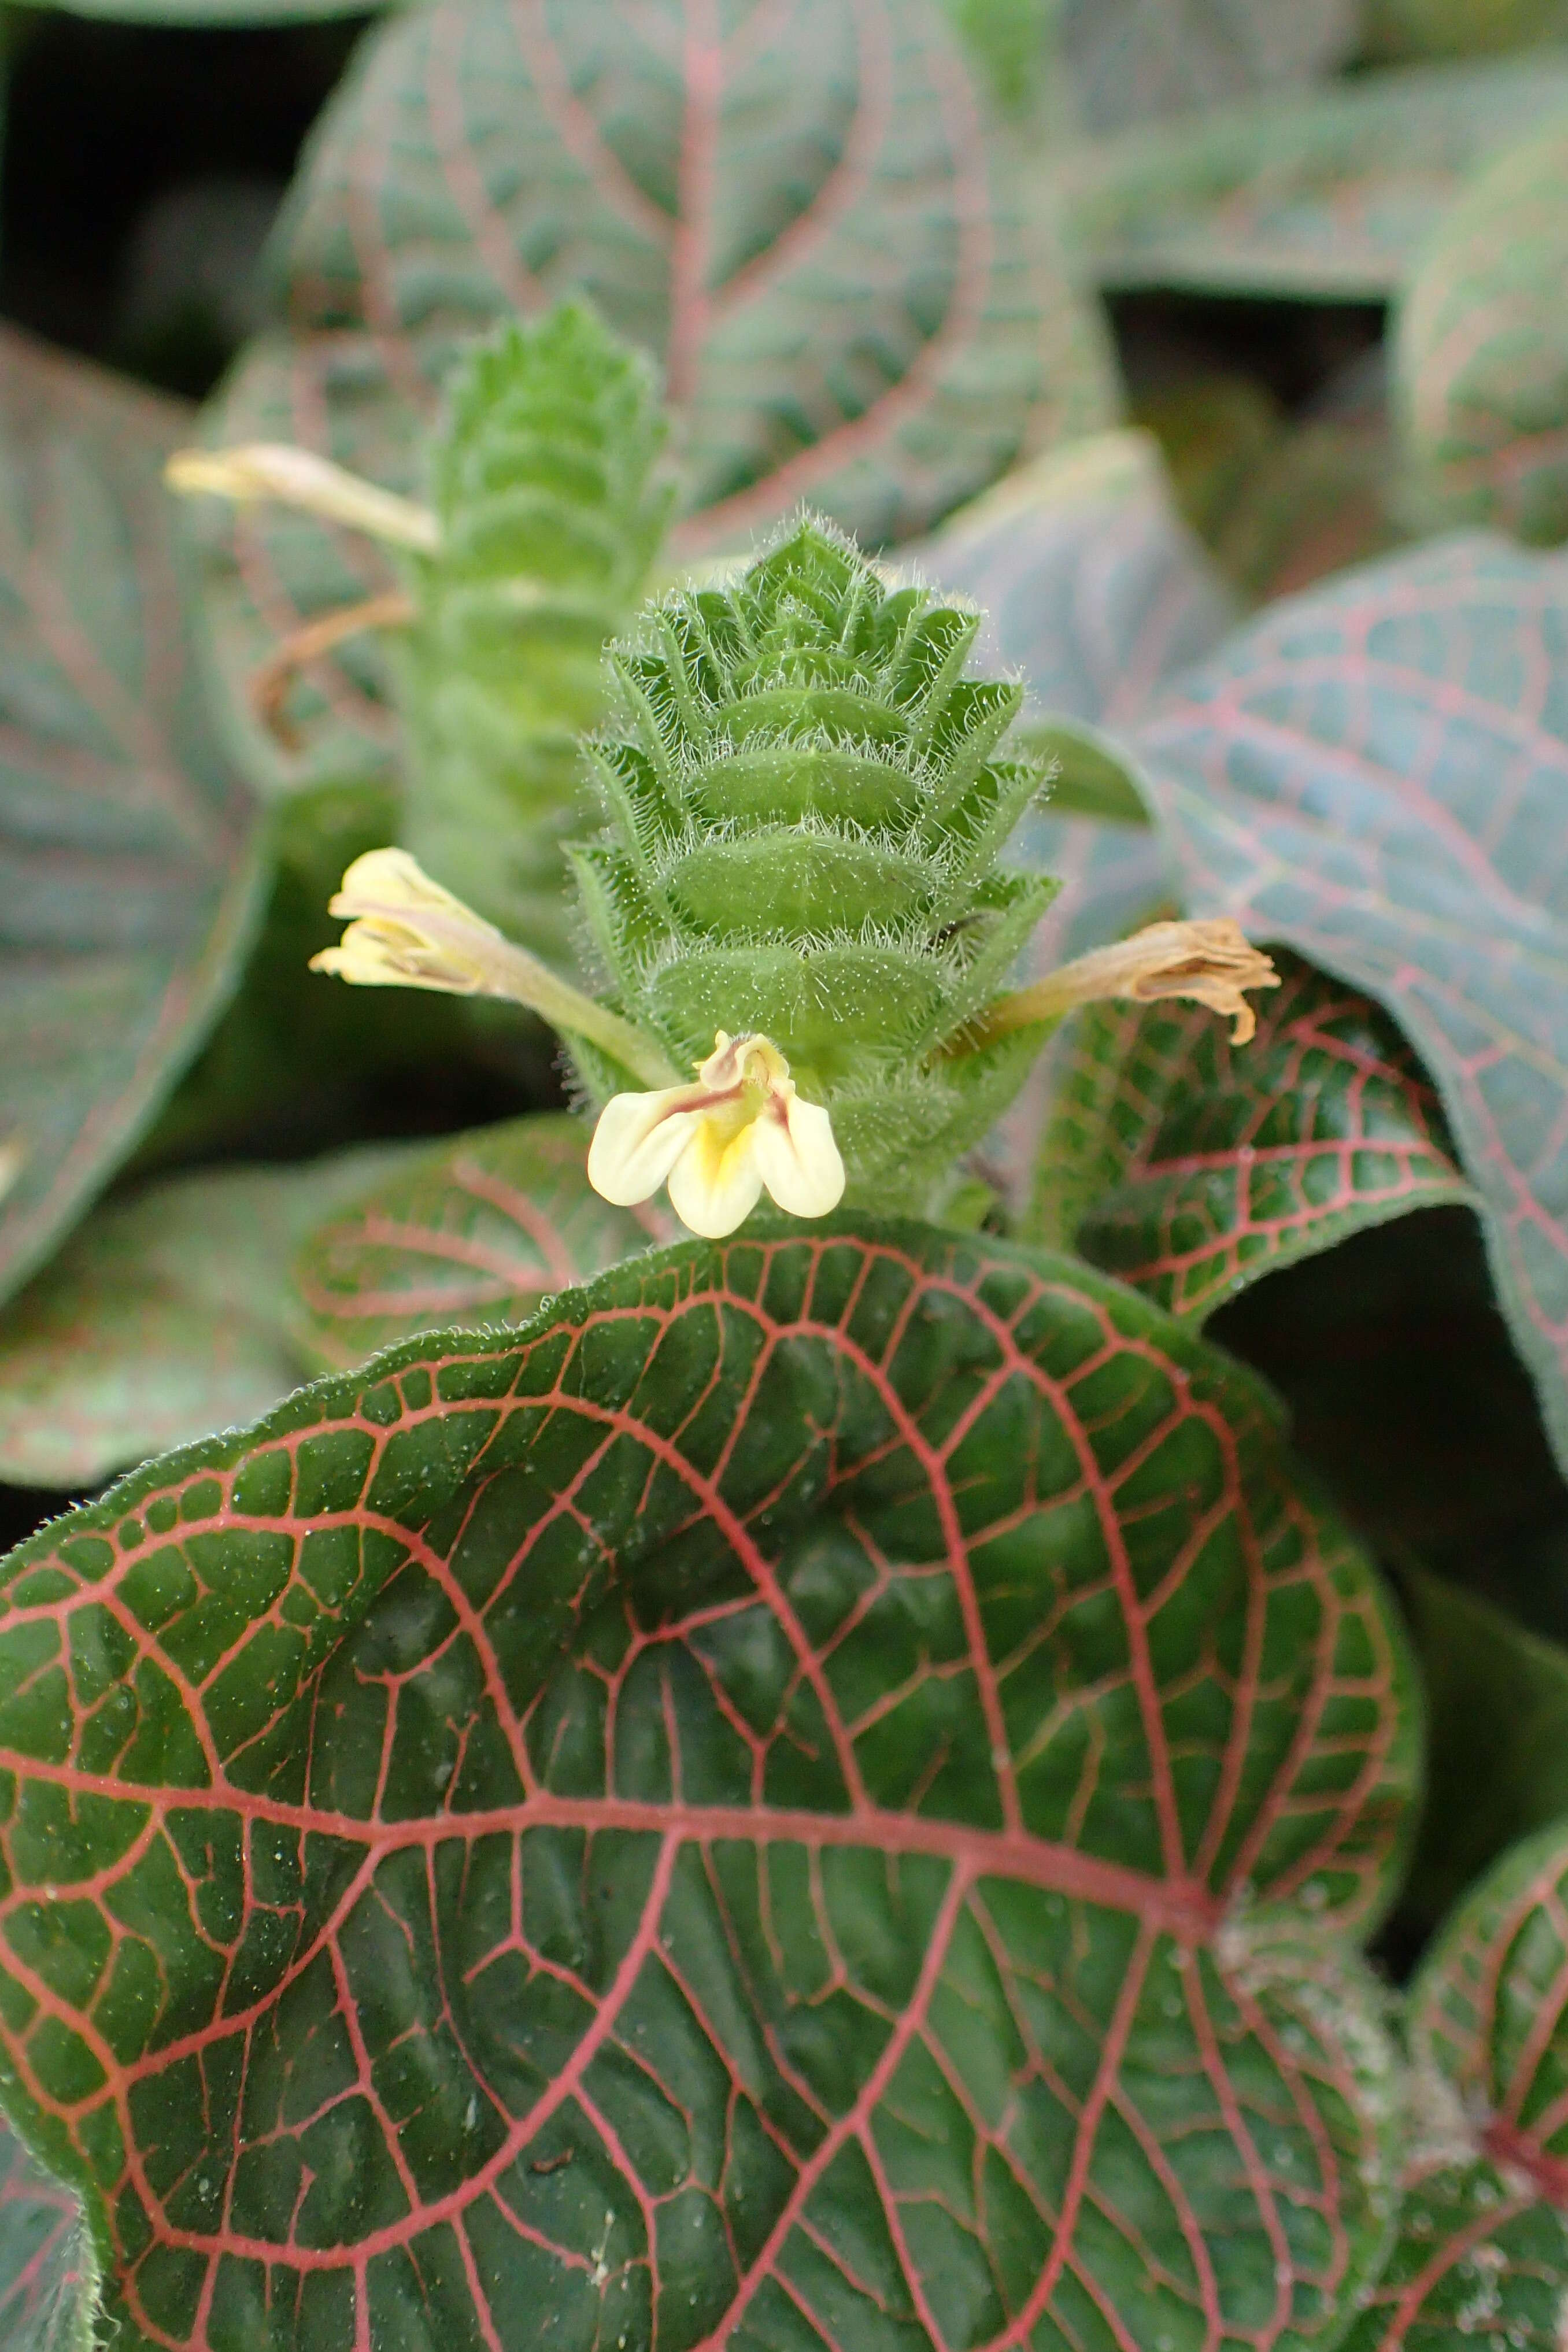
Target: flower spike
{"points": [[740, 1130]]}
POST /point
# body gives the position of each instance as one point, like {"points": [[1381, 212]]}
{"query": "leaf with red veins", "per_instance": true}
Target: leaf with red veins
{"points": [[128, 845], [1374, 773], [1482, 2252], [48, 2271], [858, 299], [1190, 1167], [822, 1793], [477, 1233]]}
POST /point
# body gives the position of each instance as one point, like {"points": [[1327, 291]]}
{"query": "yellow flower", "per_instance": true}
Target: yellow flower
{"points": [[741, 1128]]}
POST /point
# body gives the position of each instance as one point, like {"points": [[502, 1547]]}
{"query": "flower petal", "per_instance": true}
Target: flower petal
{"points": [[799, 1160], [638, 1139], [716, 1184]]}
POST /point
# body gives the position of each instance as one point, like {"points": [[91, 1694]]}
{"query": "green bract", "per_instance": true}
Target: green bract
{"points": [[806, 802], [541, 481]]}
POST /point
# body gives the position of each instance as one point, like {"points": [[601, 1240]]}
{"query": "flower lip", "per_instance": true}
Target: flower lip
{"points": [[719, 1142]]}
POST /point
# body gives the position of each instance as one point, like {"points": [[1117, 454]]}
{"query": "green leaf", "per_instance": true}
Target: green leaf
{"points": [[128, 848], [1330, 196], [722, 1817], [1190, 1167], [164, 1317], [48, 2269], [1373, 775], [1481, 352], [858, 299], [474, 1234], [1497, 1712], [1482, 2254], [540, 480], [1140, 60]]}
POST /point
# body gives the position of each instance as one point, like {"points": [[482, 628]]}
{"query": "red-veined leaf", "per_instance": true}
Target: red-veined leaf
{"points": [[1141, 60], [48, 2270], [1374, 774], [1481, 350], [474, 1234], [127, 846], [1189, 1166], [164, 1317], [858, 299], [1482, 2254], [816, 1796], [1328, 196]]}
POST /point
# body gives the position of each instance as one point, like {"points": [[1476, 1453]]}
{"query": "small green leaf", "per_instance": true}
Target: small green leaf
{"points": [[541, 482], [1374, 773], [1482, 2252], [820, 1794], [1190, 1167], [1141, 60], [48, 2268], [472, 1234], [1497, 1708], [129, 847], [1481, 352], [1330, 196], [162, 1318], [858, 299]]}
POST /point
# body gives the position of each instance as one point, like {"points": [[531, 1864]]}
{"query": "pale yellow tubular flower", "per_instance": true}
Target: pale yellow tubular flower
{"points": [[298, 478], [1210, 963], [739, 1130], [407, 931]]}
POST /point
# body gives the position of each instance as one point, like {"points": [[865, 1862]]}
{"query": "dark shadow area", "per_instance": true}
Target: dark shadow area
{"points": [[1297, 350], [141, 165], [1406, 1396]]}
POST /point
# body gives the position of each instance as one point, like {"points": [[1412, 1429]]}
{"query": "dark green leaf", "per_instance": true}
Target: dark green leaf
{"points": [[1374, 774], [1482, 2252], [128, 856], [1482, 351], [472, 1233], [723, 1817], [1189, 1166], [1496, 1709], [856, 300], [163, 1317], [1329, 196], [1444, 28], [48, 2269], [1140, 60]]}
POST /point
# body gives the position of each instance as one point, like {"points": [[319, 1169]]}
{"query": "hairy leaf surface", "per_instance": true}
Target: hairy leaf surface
{"points": [[1483, 2243], [817, 1795], [48, 2271], [126, 856], [474, 1234], [1328, 196], [856, 299], [1190, 1167], [1482, 350], [163, 1317], [1374, 773]]}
